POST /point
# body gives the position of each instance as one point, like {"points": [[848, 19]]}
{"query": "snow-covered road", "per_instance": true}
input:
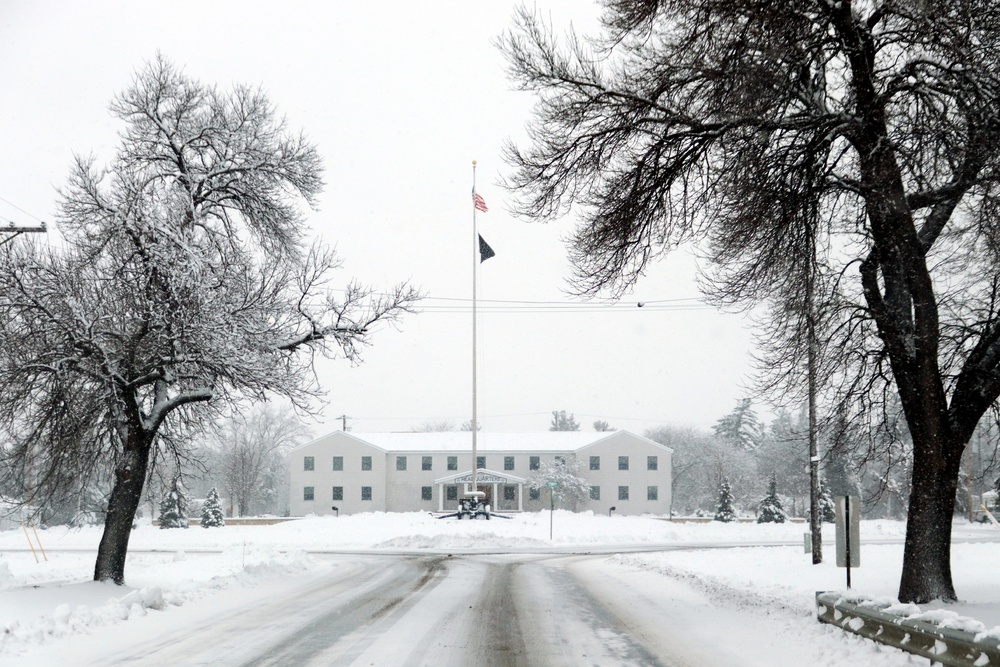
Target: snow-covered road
{"points": [[390, 590], [515, 609]]}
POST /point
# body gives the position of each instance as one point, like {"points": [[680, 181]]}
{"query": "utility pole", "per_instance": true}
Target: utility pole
{"points": [[13, 231], [343, 422], [815, 527]]}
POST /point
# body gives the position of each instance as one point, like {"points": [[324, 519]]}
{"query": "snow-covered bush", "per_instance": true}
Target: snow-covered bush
{"points": [[827, 511], [770, 509], [173, 512], [724, 510], [211, 511]]}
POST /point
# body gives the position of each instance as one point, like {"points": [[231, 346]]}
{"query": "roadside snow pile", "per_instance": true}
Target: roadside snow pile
{"points": [[458, 541], [783, 579], [67, 619], [30, 617], [719, 583], [6, 576], [421, 530]]}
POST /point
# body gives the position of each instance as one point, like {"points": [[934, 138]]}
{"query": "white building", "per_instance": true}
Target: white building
{"points": [[403, 472]]}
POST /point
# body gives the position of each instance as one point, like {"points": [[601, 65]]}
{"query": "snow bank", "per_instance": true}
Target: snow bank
{"points": [[31, 615], [784, 580]]}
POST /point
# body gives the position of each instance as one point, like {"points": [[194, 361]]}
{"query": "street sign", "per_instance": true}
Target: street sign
{"points": [[552, 484], [848, 516], [843, 538]]}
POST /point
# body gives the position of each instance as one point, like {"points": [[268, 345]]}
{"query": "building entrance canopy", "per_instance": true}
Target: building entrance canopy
{"points": [[483, 478]]}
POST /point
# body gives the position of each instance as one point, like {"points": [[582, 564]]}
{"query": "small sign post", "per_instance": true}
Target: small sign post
{"points": [[552, 484], [848, 515]]}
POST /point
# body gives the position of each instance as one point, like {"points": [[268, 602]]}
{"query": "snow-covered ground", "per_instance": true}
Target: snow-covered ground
{"points": [[41, 602]]}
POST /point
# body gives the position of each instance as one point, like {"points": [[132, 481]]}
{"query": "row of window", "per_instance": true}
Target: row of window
{"points": [[652, 463], [427, 462], [652, 493], [309, 493], [451, 493]]}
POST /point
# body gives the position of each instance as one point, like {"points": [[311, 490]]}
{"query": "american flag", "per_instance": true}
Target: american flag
{"points": [[479, 203]]}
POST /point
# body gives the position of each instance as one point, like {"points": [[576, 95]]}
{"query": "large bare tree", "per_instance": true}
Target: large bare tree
{"points": [[183, 287], [250, 453], [844, 151]]}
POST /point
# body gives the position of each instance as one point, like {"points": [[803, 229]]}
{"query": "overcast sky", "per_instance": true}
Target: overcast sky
{"points": [[400, 98]]}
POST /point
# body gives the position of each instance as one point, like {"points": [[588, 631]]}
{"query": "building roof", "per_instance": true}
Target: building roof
{"points": [[461, 441]]}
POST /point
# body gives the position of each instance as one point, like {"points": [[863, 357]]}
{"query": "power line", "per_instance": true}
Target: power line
{"points": [[560, 303], [456, 305], [425, 418], [10, 203]]}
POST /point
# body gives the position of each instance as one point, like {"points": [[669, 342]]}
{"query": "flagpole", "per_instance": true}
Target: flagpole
{"points": [[475, 268]]}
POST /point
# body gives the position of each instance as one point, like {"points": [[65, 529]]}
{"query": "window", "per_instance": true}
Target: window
{"points": [[623, 463], [338, 493], [561, 460], [622, 493], [595, 493], [533, 463], [338, 462], [651, 463], [427, 463], [400, 463], [366, 493], [451, 492], [595, 462], [508, 463], [425, 493], [652, 493], [309, 463], [534, 494], [308, 493], [509, 492], [452, 464], [366, 463], [480, 462]]}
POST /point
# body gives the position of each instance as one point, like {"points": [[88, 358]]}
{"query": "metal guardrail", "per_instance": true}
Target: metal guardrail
{"points": [[945, 646]]}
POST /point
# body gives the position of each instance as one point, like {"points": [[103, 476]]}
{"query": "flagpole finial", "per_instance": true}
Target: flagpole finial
{"points": [[473, 163]]}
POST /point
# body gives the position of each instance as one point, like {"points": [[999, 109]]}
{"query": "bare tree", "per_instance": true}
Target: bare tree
{"points": [[785, 452], [563, 422], [699, 464], [436, 427], [184, 288], [571, 487], [842, 149], [251, 453]]}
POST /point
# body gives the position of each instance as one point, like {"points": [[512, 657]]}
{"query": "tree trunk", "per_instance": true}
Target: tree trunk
{"points": [[927, 554], [130, 475]]}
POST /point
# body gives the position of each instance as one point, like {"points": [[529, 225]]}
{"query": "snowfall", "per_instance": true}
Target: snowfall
{"points": [[746, 568]]}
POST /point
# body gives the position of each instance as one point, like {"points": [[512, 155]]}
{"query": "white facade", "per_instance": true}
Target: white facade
{"points": [[405, 472]]}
